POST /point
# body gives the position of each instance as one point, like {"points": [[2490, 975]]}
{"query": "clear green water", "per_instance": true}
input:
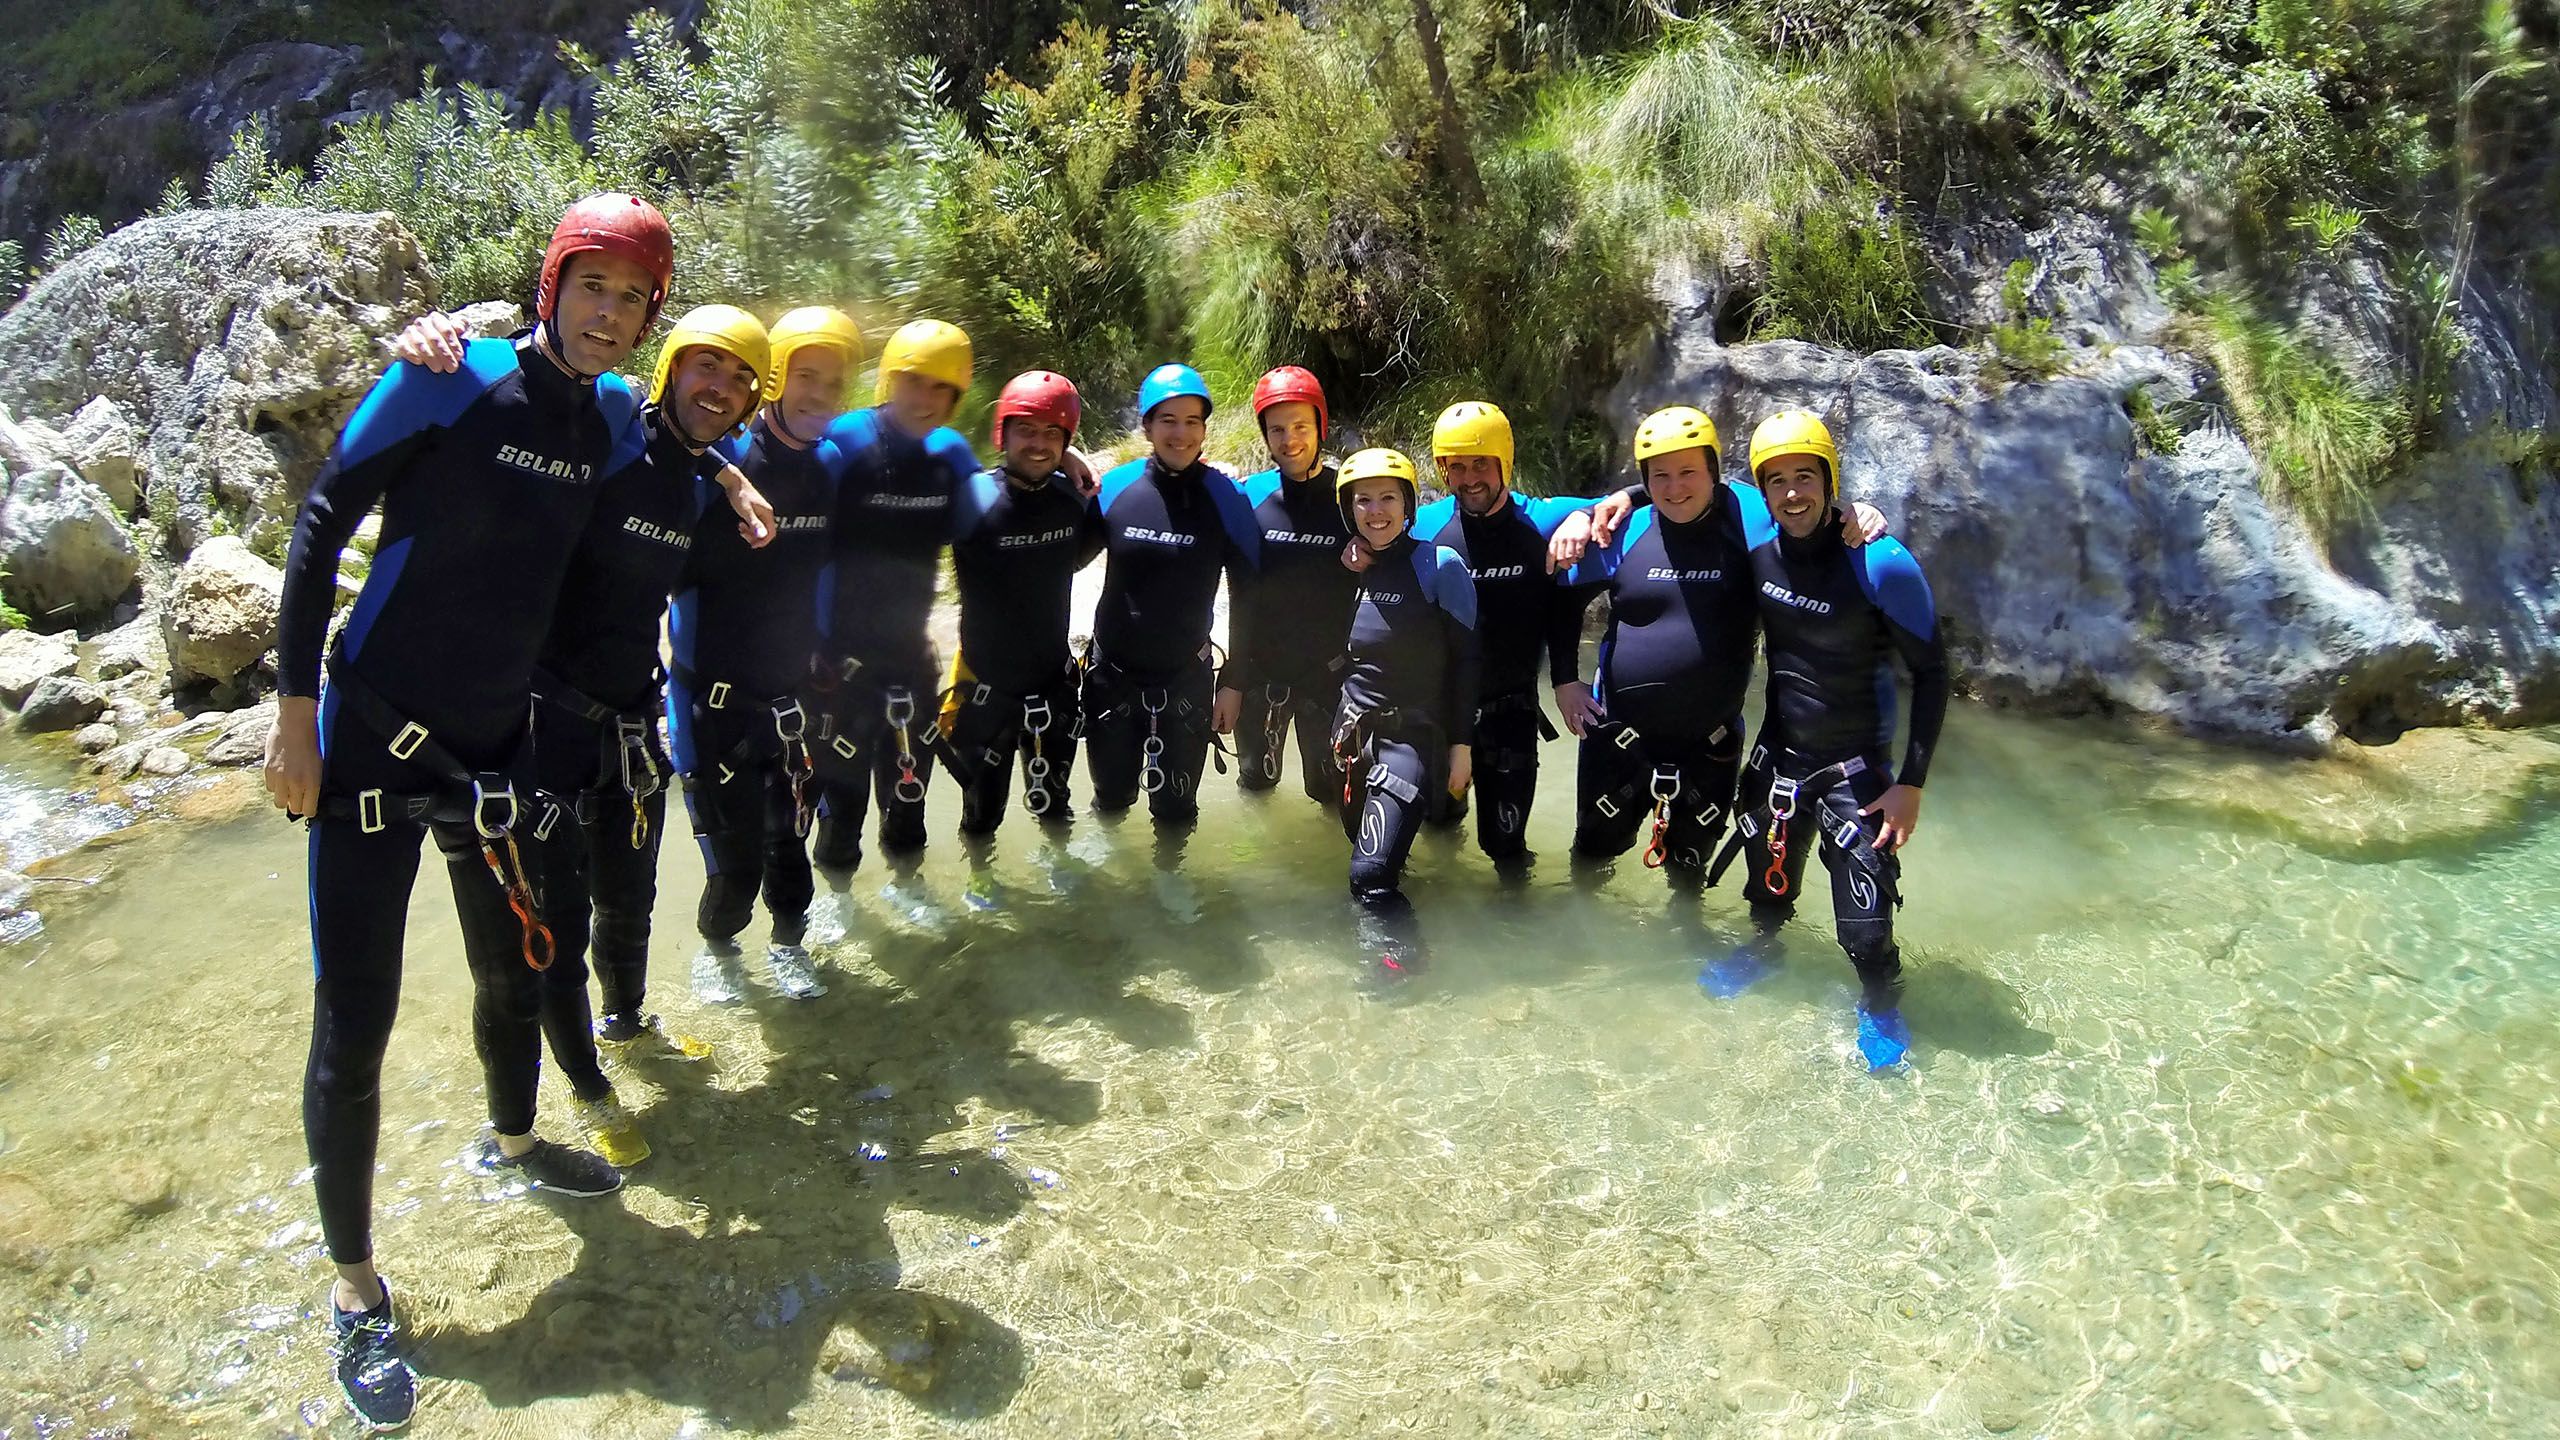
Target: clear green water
{"points": [[2221, 1125]]}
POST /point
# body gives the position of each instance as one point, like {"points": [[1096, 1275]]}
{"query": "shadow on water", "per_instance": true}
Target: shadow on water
{"points": [[785, 1272]]}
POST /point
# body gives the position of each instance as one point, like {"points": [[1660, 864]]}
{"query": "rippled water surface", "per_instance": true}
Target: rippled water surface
{"points": [[2233, 1114]]}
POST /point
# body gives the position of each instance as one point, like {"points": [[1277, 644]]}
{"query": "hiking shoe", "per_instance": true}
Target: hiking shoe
{"points": [[613, 1132], [719, 978], [381, 1389], [622, 1027], [793, 975], [556, 1168]]}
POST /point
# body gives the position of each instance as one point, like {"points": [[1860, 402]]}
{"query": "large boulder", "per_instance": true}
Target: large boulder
{"points": [[238, 340], [61, 702], [27, 658], [220, 613], [64, 552], [2076, 572], [102, 443]]}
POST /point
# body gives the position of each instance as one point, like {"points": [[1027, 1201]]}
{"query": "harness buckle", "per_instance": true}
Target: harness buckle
{"points": [[790, 722], [718, 699], [369, 812], [844, 748], [1606, 806], [1626, 739], [482, 798], [1036, 715], [406, 743], [982, 694], [550, 818], [901, 707], [1782, 797], [1666, 783]]}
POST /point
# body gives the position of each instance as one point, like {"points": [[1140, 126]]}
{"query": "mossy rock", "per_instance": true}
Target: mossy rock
{"points": [[2429, 791], [902, 1339]]}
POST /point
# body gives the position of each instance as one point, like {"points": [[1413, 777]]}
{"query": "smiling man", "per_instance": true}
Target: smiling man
{"points": [[1837, 618], [1293, 678], [487, 478]]}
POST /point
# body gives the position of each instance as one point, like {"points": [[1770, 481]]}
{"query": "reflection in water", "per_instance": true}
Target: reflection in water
{"points": [[2231, 1115]]}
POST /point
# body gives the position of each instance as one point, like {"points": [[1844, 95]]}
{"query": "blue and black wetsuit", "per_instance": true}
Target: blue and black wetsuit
{"points": [[1168, 538], [743, 627], [1015, 687], [1409, 692], [1836, 619], [486, 478], [1683, 627], [1305, 607], [598, 761], [893, 516], [1521, 613]]}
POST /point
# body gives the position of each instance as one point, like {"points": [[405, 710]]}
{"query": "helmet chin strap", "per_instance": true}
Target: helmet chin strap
{"points": [[546, 336], [773, 416]]}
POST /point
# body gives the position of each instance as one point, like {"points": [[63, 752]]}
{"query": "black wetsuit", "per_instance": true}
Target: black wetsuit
{"points": [[893, 516], [1168, 537], [1015, 688], [1305, 608], [486, 478], [1836, 619], [1673, 668], [598, 761], [1408, 694], [742, 629], [1520, 613]]}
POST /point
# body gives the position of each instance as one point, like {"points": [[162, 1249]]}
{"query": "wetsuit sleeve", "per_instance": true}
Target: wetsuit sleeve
{"points": [[1565, 605], [1244, 579], [1457, 604], [397, 422], [1910, 612], [1548, 512], [1091, 536]]}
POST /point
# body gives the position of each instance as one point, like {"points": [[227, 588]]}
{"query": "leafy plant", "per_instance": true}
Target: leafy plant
{"points": [[2329, 226], [68, 239], [1845, 275], [2023, 346], [2327, 435], [13, 273]]}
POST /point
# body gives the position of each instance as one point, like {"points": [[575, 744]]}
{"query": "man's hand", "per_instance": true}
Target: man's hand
{"points": [[1564, 551], [434, 340], [1898, 810], [1356, 558], [1224, 710], [1579, 707], [293, 755], [1080, 471], [1608, 515], [1860, 523], [1462, 768], [755, 513]]}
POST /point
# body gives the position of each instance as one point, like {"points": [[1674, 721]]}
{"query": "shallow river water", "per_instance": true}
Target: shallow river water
{"points": [[2233, 1113]]}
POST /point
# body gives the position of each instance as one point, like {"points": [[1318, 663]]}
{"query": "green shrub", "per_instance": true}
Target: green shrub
{"points": [[2022, 346], [2327, 436], [63, 244], [1846, 275], [13, 273]]}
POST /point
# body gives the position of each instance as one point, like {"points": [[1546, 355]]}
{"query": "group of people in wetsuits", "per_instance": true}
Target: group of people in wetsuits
{"points": [[500, 683]]}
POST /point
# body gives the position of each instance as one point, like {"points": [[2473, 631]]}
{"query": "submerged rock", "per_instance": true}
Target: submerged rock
{"points": [[60, 702], [27, 657], [219, 617], [902, 1339], [238, 341]]}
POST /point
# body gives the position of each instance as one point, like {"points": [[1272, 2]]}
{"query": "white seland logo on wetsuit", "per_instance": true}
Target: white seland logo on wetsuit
{"points": [[801, 522], [1502, 572], [907, 502], [1785, 596], [1160, 537], [1029, 542], [543, 465], [1681, 577], [1293, 537], [652, 530]]}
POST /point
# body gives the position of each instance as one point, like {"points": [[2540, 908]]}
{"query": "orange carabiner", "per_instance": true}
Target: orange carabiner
{"points": [[539, 949], [1774, 879]]}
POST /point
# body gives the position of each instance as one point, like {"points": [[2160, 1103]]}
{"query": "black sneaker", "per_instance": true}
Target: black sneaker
{"points": [[621, 1027], [551, 1167], [381, 1389]]}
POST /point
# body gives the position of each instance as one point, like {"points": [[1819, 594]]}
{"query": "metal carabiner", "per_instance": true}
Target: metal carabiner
{"points": [[481, 799]]}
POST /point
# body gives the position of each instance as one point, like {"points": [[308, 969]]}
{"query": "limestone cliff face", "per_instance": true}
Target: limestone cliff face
{"points": [[2075, 571]]}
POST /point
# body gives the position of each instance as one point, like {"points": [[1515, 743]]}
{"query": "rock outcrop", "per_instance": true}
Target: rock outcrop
{"points": [[2076, 571], [238, 341], [27, 658], [65, 554], [219, 616]]}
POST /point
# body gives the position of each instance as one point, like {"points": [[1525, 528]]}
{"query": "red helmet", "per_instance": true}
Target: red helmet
{"points": [[1040, 395], [1288, 383], [618, 224]]}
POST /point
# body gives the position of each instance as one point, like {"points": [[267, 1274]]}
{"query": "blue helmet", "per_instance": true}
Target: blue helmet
{"points": [[1165, 382]]}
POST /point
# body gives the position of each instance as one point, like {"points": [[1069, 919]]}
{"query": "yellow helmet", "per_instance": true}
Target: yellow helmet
{"points": [[934, 349], [1666, 432], [1795, 432], [809, 325], [1473, 427], [1376, 464], [725, 328]]}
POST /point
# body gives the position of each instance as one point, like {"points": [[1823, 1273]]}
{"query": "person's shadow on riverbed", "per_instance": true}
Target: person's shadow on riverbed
{"points": [[784, 1274]]}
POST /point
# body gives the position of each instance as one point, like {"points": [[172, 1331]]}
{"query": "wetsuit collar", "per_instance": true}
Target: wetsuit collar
{"points": [[663, 430], [546, 380], [1502, 497], [1402, 544], [774, 425], [1824, 539], [1191, 474]]}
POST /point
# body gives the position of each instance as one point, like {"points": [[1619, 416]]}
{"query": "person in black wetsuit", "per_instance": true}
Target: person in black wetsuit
{"points": [[1172, 525], [742, 629], [1661, 732], [486, 478], [1305, 593], [1836, 619], [1025, 531], [1403, 733], [902, 469], [1503, 537]]}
